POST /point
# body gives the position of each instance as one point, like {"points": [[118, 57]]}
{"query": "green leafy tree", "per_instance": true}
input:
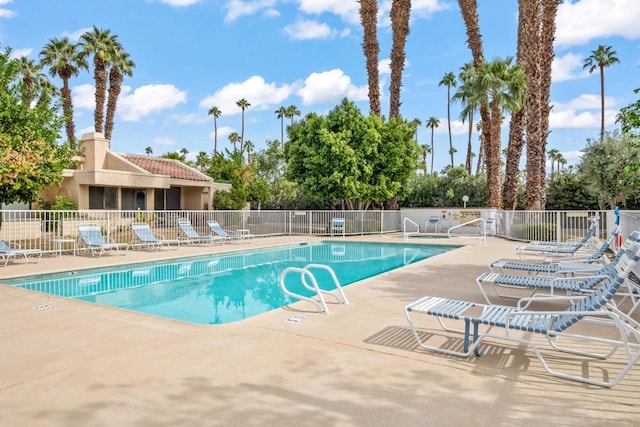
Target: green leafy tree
{"points": [[605, 169], [346, 156], [30, 158], [568, 191]]}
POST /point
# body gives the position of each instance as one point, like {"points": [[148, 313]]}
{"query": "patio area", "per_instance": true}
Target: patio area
{"points": [[76, 363]]}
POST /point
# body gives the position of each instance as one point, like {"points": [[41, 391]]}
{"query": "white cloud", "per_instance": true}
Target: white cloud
{"points": [[568, 67], [260, 94], [384, 66], [578, 22], [238, 8], [572, 155], [6, 13], [223, 131], [457, 127], [147, 100], [586, 101], [75, 35], [306, 30], [83, 96], [349, 11], [19, 53], [586, 119], [179, 3], [330, 86]]}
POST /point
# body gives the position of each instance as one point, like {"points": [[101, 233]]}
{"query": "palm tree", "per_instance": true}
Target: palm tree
{"points": [[553, 156], [248, 146], [448, 80], [501, 85], [184, 152], [400, 13], [243, 104], [480, 164], [201, 160], [292, 111], [602, 57], [281, 113], [215, 112], [101, 44], [425, 150], [234, 138], [31, 77], [121, 65], [417, 123], [148, 150], [64, 60], [432, 123], [463, 94], [371, 48]]}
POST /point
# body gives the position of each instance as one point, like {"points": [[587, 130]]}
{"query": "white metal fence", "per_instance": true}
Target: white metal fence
{"points": [[52, 231]]}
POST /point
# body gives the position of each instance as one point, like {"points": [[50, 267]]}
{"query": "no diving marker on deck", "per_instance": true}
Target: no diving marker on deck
{"points": [[294, 319], [44, 307]]}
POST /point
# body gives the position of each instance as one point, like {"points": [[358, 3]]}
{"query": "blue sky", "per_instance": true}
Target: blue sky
{"points": [[194, 54]]}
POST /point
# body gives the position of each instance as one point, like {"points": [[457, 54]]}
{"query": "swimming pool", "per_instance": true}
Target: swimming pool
{"points": [[224, 287]]}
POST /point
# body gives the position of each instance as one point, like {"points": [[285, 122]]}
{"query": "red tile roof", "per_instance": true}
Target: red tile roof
{"points": [[160, 166]]}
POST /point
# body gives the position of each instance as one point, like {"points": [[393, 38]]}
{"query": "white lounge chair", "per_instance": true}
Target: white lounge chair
{"points": [[146, 238], [547, 250], [596, 308], [9, 251], [188, 234], [227, 236], [93, 240]]}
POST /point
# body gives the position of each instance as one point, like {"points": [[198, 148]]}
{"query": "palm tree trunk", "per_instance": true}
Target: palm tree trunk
{"points": [[512, 168], [371, 47], [492, 154], [215, 135], [467, 163], [67, 108], [400, 11], [432, 152], [449, 122], [101, 88], [115, 85], [601, 103]]}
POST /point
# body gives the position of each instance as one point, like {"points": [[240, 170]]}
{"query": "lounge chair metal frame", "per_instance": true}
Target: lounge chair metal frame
{"points": [[10, 251], [93, 240], [596, 307], [143, 236]]}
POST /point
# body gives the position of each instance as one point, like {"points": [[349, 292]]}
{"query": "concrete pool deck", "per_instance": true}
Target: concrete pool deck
{"points": [[79, 364]]}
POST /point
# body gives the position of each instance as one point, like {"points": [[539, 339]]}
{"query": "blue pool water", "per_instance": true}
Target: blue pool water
{"points": [[224, 288]]}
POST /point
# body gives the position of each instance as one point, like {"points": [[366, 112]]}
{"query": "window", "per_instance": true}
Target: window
{"points": [[103, 198], [132, 199], [167, 199]]}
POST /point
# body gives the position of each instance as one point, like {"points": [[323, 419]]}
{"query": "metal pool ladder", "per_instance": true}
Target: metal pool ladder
{"points": [[306, 273]]}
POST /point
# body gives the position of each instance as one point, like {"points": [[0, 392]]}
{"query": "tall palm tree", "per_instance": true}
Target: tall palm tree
{"points": [[432, 123], [234, 138], [602, 57], [31, 77], [371, 48], [448, 80], [501, 85], [184, 152], [248, 147], [480, 164], [149, 151], [243, 104], [281, 113], [121, 65], [64, 60], [99, 43], [417, 123], [215, 112], [463, 94], [292, 111], [400, 13]]}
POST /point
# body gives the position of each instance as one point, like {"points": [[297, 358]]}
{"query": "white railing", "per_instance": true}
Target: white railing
{"points": [[404, 228], [474, 229]]}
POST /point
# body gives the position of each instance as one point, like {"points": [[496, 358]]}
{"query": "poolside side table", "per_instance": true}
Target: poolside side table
{"points": [[59, 243], [244, 233]]}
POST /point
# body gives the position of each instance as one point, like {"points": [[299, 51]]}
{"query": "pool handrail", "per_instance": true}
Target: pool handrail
{"points": [[482, 237], [321, 306], [404, 228]]}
